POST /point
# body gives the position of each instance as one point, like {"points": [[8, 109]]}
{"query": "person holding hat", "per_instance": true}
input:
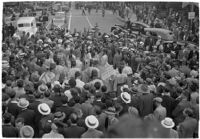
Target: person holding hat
{"points": [[160, 112], [169, 124], [26, 132], [187, 128], [92, 123], [27, 114]]}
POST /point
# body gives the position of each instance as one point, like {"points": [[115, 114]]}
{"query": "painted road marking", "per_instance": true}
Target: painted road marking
{"points": [[70, 19], [48, 24], [89, 22]]}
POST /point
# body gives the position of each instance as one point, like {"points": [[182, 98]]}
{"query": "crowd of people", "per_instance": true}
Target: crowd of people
{"points": [[86, 85]]}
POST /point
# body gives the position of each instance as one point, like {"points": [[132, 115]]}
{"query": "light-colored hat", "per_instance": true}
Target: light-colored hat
{"points": [[143, 88], [91, 122], [59, 116], [111, 111], [68, 94], [158, 99], [167, 123], [23, 103], [42, 88], [44, 109], [126, 97], [172, 81], [194, 73], [5, 64], [60, 41], [26, 132], [161, 84], [123, 87]]}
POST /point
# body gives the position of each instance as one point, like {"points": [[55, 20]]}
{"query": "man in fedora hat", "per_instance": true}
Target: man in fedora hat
{"points": [[92, 123], [187, 128], [27, 114], [160, 112], [169, 124], [145, 100], [125, 102]]}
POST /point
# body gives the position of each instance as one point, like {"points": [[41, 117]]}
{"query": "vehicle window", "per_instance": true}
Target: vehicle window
{"points": [[153, 34], [24, 25]]}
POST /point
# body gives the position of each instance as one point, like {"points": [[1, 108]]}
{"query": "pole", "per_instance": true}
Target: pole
{"points": [[192, 10]]}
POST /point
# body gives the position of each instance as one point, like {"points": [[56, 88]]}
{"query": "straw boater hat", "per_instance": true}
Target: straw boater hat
{"points": [[42, 88], [111, 111], [59, 116], [26, 132], [167, 123], [126, 97], [91, 122], [23, 103], [123, 87], [44, 109]]}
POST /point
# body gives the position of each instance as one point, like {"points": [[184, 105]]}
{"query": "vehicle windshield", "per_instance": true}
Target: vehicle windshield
{"points": [[24, 25]]}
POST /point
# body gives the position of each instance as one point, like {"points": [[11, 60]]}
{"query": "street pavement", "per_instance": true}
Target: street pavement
{"points": [[77, 21]]}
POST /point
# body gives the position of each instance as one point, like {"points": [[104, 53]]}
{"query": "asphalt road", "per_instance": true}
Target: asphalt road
{"points": [[77, 21]]}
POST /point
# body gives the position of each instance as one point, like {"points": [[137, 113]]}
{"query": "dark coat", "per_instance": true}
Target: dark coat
{"points": [[169, 104], [9, 131], [67, 110], [73, 131], [13, 108], [28, 116], [178, 111], [187, 127], [145, 104]]}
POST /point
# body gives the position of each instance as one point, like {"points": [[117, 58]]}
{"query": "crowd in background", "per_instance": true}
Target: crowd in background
{"points": [[72, 85]]}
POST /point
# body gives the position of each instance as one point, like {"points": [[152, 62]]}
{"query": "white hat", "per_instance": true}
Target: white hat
{"points": [[123, 87], [126, 97], [44, 109], [60, 41], [40, 41], [42, 88], [167, 123], [194, 73], [91, 122], [23, 103], [26, 132], [5, 64], [68, 94]]}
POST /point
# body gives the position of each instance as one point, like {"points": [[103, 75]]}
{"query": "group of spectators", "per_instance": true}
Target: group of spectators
{"points": [[184, 29], [81, 85]]}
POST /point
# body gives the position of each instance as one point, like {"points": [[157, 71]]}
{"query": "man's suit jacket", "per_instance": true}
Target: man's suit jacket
{"points": [[187, 127]]}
